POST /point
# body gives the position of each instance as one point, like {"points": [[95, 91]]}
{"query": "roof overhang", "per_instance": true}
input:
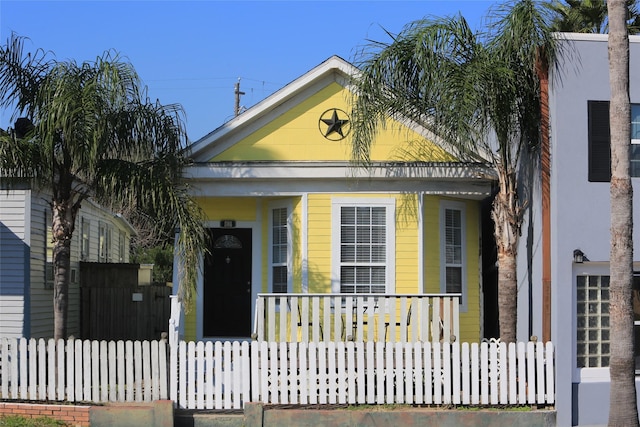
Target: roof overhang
{"points": [[231, 179]]}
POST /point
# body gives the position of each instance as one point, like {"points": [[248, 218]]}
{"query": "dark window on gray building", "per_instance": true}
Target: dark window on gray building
{"points": [[599, 141]]}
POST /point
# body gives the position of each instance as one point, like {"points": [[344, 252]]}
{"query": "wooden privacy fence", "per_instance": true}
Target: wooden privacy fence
{"points": [[83, 371], [227, 375], [115, 307], [217, 376]]}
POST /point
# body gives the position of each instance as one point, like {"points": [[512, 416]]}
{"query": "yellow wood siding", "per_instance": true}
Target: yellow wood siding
{"points": [[469, 319], [237, 208], [296, 239], [319, 243], [407, 243], [264, 252], [295, 135]]}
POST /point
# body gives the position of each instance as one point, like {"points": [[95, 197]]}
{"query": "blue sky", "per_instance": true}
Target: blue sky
{"points": [[193, 52]]}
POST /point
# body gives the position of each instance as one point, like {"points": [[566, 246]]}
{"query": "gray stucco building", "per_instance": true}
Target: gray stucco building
{"points": [[578, 215]]}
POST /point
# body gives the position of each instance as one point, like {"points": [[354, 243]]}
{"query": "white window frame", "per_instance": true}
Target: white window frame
{"points": [[390, 267], [85, 239], [104, 242], [585, 374], [597, 374], [122, 244], [289, 262], [458, 206], [49, 266]]}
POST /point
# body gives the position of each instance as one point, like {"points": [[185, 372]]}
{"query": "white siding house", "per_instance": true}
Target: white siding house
{"points": [[26, 269]]}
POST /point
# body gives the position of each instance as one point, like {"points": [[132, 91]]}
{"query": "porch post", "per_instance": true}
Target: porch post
{"points": [[174, 338]]}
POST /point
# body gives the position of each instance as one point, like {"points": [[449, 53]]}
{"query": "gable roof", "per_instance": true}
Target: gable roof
{"points": [[334, 69], [275, 148]]}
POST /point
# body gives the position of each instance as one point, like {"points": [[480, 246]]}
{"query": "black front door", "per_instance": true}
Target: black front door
{"points": [[227, 284]]}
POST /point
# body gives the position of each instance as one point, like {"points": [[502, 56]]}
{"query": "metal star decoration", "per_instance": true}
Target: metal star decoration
{"points": [[332, 126]]}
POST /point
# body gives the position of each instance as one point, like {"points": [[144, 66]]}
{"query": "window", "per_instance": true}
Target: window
{"points": [[593, 343], [48, 251], [636, 319], [84, 240], [452, 248], [104, 243], [365, 246], [592, 340], [635, 123], [279, 250], [122, 245], [599, 141]]}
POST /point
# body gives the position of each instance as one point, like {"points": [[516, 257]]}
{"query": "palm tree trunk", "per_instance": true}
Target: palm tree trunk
{"points": [[507, 216], [622, 407], [507, 296], [62, 226]]}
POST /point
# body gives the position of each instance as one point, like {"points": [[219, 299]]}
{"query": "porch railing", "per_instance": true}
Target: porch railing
{"points": [[357, 317]]}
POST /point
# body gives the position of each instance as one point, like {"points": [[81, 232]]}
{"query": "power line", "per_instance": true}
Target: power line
{"points": [[264, 82]]}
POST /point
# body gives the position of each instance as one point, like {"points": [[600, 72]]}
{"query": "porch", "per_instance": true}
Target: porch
{"points": [[403, 318]]}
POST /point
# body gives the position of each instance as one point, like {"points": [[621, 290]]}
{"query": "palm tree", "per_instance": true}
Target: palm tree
{"points": [[479, 93], [622, 408], [88, 130], [589, 16]]}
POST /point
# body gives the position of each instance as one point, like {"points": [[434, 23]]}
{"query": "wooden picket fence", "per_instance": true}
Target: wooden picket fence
{"points": [[83, 371], [225, 375]]}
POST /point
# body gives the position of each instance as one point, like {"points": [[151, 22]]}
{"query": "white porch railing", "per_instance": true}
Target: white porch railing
{"points": [[357, 317]]}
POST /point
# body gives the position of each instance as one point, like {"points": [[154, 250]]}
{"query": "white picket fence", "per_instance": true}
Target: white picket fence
{"points": [[83, 371], [226, 375], [211, 375]]}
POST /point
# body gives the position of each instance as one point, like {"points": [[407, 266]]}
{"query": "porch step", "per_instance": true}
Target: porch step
{"points": [[204, 418]]}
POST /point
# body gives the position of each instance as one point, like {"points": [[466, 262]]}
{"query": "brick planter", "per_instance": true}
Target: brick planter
{"points": [[71, 414]]}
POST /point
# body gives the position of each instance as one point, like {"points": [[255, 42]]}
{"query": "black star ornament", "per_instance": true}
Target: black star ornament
{"points": [[332, 126]]}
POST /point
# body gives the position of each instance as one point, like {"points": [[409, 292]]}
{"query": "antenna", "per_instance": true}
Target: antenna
{"points": [[237, 94]]}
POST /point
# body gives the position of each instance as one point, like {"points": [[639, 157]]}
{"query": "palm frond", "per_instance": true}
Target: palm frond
{"points": [[20, 75], [97, 134]]}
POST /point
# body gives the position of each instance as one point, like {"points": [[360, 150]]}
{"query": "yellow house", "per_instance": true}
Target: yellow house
{"points": [[289, 213]]}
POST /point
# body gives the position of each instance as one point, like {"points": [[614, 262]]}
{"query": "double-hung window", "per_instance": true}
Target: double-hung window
{"points": [[48, 252], [84, 239], [363, 245], [122, 245], [280, 249], [104, 242], [600, 141], [453, 249]]}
